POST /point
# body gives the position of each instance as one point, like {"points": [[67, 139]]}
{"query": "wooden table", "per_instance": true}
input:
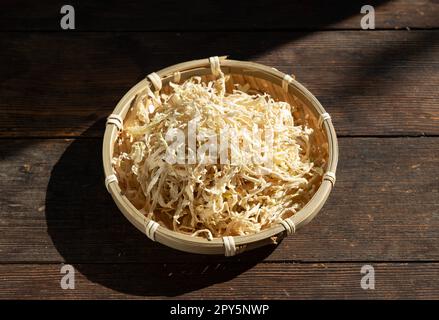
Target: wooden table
{"points": [[380, 86]]}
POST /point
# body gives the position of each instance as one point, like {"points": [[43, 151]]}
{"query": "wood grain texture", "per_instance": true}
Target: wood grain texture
{"points": [[227, 281], [55, 208], [168, 15], [372, 83]]}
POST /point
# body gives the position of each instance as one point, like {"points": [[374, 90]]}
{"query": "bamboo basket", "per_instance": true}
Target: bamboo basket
{"points": [[260, 78]]}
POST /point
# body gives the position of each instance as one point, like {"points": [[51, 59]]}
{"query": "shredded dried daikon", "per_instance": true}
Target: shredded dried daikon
{"points": [[214, 199]]}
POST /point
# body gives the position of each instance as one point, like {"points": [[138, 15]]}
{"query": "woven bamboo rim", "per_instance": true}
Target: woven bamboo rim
{"points": [[206, 67]]}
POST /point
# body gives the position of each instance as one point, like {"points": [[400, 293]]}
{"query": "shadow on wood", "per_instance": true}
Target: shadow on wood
{"points": [[127, 260], [48, 75], [170, 15]]}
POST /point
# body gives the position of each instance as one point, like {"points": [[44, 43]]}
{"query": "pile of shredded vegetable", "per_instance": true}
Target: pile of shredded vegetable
{"points": [[214, 199]]}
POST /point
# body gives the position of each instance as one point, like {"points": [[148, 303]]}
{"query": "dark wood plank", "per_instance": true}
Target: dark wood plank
{"points": [[227, 281], [372, 83], [209, 15], [55, 208]]}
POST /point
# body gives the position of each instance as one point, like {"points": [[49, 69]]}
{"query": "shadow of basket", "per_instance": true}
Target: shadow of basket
{"points": [[90, 233]]}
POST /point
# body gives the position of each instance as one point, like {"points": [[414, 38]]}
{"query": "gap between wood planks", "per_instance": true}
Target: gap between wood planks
{"points": [[298, 262], [55, 137], [280, 30]]}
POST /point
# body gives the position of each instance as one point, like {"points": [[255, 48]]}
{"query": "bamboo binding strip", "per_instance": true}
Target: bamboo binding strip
{"points": [[289, 226], [150, 229], [260, 78], [229, 246], [116, 120], [155, 80], [109, 179]]}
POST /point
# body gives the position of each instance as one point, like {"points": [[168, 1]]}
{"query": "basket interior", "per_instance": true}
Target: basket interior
{"points": [[304, 115]]}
